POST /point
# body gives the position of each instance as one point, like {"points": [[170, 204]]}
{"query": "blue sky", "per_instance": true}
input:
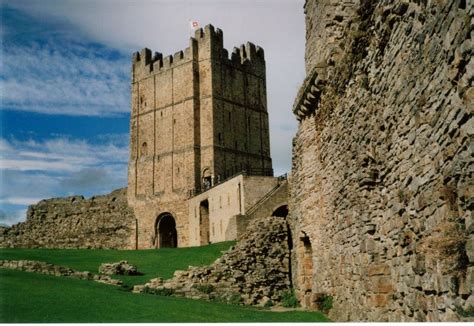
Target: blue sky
{"points": [[64, 84]]}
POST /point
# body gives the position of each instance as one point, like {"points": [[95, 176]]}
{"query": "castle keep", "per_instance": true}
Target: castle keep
{"points": [[198, 118]]}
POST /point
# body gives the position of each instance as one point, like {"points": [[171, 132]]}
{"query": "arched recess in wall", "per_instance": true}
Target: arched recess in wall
{"points": [[206, 179], [281, 211], [166, 235], [305, 271], [204, 222], [144, 149]]}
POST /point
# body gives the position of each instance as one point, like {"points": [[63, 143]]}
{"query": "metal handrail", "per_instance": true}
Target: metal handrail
{"points": [[250, 172]]}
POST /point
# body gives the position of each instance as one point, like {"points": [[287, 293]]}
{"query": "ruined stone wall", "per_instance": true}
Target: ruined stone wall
{"points": [[101, 222], [253, 272], [381, 187]]}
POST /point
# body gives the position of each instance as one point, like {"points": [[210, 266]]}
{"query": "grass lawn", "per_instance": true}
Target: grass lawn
{"points": [[33, 298], [152, 263]]}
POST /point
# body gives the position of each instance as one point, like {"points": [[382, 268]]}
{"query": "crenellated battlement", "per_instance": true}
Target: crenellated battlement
{"points": [[144, 63], [210, 33], [207, 43]]}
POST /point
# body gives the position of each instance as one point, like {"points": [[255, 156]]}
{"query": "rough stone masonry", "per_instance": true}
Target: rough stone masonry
{"points": [[255, 272], [381, 187], [101, 222]]}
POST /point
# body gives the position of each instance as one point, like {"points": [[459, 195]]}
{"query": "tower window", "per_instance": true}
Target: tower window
{"points": [[219, 137], [144, 149], [230, 116]]}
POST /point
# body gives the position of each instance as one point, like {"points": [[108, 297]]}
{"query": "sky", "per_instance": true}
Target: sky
{"points": [[65, 84]]}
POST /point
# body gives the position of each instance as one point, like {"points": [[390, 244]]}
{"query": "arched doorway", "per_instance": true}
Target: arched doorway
{"points": [[281, 211], [206, 179], [204, 222], [165, 231]]}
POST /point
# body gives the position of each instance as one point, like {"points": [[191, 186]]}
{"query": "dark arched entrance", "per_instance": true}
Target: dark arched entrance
{"points": [[281, 211], [165, 228]]}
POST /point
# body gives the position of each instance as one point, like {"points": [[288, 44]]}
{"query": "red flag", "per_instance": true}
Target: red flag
{"points": [[194, 24]]}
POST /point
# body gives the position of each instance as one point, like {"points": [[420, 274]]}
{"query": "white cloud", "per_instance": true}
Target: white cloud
{"points": [[12, 217], [30, 165], [33, 170], [19, 200], [59, 155], [69, 80], [163, 25]]}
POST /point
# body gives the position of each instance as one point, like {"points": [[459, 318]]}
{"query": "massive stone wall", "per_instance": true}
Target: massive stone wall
{"points": [[74, 222], [381, 186]]}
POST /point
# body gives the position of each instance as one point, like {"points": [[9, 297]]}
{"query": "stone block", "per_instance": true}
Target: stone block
{"points": [[470, 249], [379, 300], [381, 284], [119, 268], [470, 279], [378, 269]]}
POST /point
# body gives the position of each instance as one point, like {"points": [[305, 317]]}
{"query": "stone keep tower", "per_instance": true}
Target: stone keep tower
{"points": [[197, 118]]}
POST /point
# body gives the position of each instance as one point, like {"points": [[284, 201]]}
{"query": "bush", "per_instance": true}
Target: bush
{"points": [[326, 304], [268, 304], [288, 299]]}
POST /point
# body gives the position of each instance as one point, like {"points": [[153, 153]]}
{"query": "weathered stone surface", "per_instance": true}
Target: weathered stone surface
{"points": [[40, 267], [381, 192], [120, 268], [254, 272], [104, 222]]}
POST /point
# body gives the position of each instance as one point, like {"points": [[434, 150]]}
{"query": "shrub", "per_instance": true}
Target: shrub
{"points": [[288, 299], [326, 304], [469, 312]]}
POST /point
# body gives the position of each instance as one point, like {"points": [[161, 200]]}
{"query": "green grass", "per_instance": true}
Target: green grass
{"points": [[32, 298], [152, 263]]}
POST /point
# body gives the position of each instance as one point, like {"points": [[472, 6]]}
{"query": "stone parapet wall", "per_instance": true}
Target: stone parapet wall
{"points": [[101, 222], [381, 186]]}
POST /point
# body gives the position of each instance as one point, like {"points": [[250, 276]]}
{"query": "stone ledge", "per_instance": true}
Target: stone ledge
{"points": [[309, 94]]}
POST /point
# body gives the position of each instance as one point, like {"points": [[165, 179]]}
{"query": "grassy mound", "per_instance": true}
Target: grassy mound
{"points": [[152, 263], [33, 298]]}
